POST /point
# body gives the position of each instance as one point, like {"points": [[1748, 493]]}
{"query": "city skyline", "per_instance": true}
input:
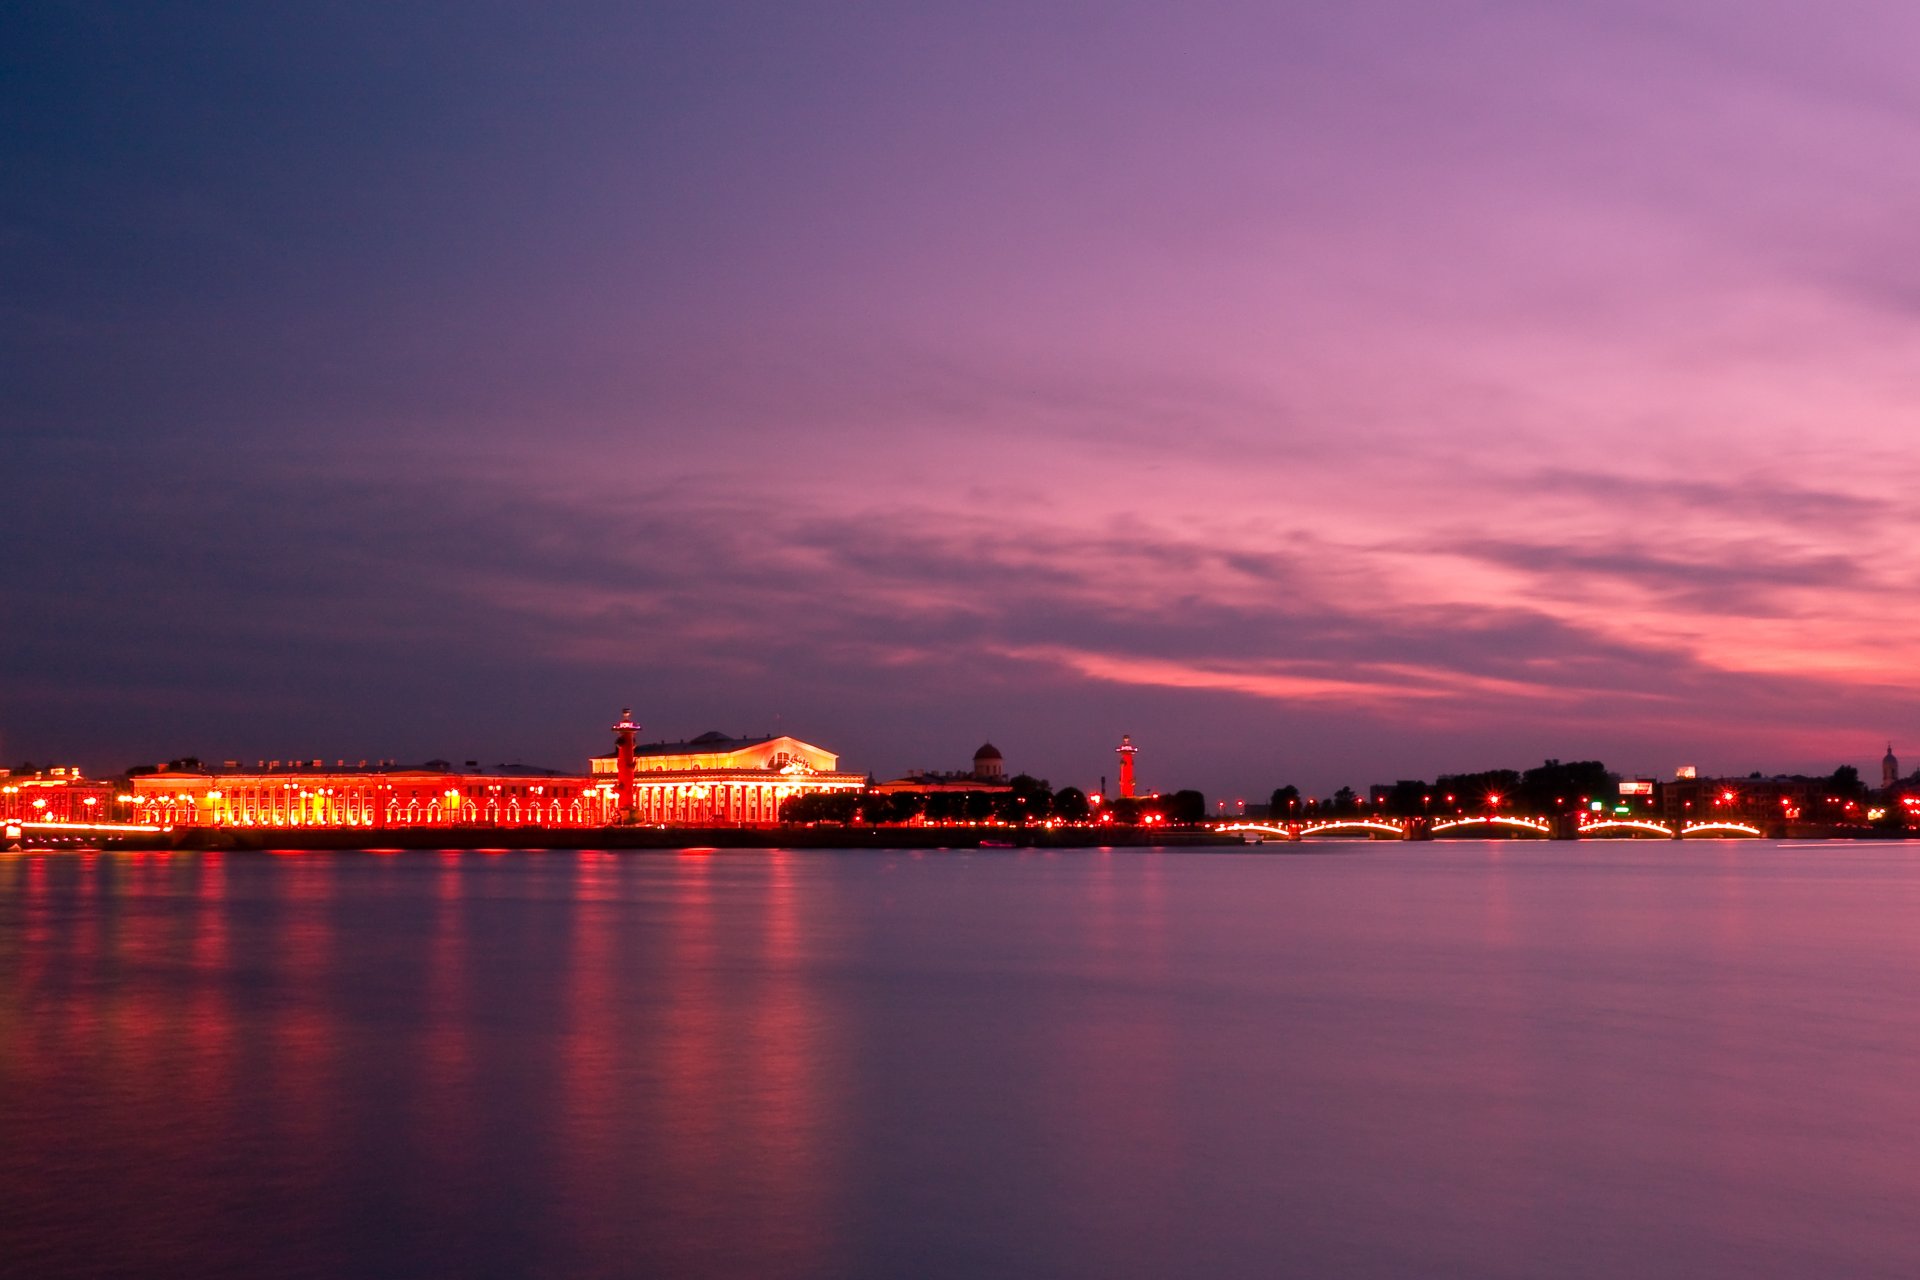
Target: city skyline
{"points": [[1113, 776], [1301, 392]]}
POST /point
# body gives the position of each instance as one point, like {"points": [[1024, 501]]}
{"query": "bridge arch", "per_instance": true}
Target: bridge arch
{"points": [[1267, 830], [1719, 829], [1352, 826], [1627, 826], [1495, 822]]}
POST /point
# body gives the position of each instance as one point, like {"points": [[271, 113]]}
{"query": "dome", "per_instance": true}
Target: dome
{"points": [[987, 764]]}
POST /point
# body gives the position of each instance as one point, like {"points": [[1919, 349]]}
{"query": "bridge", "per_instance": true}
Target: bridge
{"points": [[1489, 824], [1494, 822], [12, 833]]}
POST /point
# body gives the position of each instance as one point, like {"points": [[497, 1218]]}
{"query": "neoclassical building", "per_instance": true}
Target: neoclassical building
{"points": [[715, 779], [712, 780], [313, 793], [989, 773]]}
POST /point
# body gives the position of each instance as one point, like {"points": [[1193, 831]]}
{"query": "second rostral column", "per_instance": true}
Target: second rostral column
{"points": [[623, 743]]}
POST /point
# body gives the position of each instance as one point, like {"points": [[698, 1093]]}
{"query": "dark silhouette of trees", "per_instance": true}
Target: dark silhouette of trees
{"points": [[1407, 798], [1185, 808], [1555, 786], [1474, 791]]}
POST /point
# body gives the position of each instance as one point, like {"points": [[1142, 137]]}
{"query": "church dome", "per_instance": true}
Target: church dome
{"points": [[987, 764]]}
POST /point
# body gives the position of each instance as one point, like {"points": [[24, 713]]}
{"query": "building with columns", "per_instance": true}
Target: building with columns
{"points": [[711, 780], [719, 780], [58, 794], [313, 793]]}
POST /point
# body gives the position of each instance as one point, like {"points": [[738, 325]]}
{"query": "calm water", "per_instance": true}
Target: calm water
{"points": [[1376, 1060]]}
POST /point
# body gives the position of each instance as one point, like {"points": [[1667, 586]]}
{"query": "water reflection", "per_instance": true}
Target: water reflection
{"points": [[1469, 1060]]}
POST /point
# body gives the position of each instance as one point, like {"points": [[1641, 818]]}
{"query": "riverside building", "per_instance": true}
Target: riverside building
{"points": [[58, 794], [711, 780], [719, 780], [313, 793], [989, 773]]}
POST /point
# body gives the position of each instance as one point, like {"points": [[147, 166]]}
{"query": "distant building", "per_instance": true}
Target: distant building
{"points": [[316, 794], [714, 779], [59, 794], [1889, 770], [1756, 800], [989, 773], [988, 766], [717, 779]]}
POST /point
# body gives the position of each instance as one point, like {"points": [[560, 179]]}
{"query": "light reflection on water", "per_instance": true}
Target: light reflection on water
{"points": [[1375, 1060]]}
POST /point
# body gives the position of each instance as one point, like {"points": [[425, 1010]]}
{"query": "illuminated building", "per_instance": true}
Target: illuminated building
{"points": [[1127, 752], [314, 794], [989, 773], [713, 779], [53, 795], [716, 779]]}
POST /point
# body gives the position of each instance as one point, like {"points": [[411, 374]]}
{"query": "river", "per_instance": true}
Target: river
{"points": [[1487, 1059]]}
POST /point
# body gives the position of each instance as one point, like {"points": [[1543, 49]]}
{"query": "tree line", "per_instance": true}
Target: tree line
{"points": [[1552, 787], [1027, 801]]}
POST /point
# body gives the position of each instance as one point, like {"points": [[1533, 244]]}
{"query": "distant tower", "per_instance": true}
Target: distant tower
{"points": [[988, 766], [1889, 769], [1127, 752], [623, 740]]}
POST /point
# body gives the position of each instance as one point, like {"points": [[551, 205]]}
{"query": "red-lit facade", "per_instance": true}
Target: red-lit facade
{"points": [[711, 781], [314, 795], [716, 780], [54, 795]]}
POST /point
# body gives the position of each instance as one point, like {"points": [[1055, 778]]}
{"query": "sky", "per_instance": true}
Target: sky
{"points": [[1318, 393]]}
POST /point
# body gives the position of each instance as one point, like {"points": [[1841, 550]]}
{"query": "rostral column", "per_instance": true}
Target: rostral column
{"points": [[623, 739]]}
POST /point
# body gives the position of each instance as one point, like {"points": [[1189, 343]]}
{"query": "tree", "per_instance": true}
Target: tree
{"points": [[1186, 808], [1845, 782], [1285, 803], [1027, 800], [1476, 790], [905, 806], [1554, 786], [1345, 801], [1070, 805]]}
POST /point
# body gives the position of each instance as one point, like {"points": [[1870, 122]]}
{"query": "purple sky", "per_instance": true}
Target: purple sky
{"points": [[1319, 393]]}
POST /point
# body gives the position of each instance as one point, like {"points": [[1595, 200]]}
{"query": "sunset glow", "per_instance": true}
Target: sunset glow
{"points": [[1418, 384]]}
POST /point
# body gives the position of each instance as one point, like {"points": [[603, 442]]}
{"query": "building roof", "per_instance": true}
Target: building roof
{"points": [[988, 751], [314, 767], [942, 782], [712, 742]]}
